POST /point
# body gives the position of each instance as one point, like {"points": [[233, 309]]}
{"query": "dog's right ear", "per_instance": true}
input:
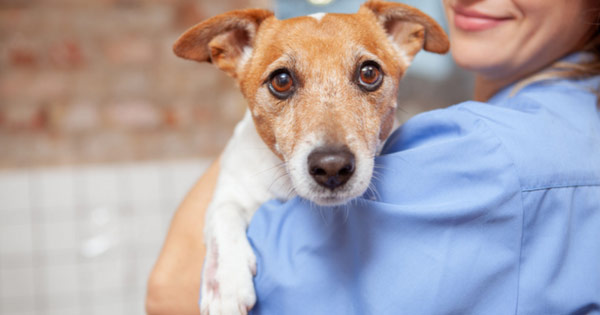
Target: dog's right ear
{"points": [[409, 28], [222, 39]]}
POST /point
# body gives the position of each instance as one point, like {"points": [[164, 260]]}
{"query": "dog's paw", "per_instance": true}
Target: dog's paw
{"points": [[227, 286]]}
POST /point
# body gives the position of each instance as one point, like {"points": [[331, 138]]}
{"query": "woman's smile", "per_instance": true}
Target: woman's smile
{"points": [[472, 21]]}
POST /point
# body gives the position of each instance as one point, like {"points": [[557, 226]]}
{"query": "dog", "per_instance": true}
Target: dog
{"points": [[322, 95]]}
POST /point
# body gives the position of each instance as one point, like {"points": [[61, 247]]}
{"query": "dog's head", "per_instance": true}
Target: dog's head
{"points": [[322, 89]]}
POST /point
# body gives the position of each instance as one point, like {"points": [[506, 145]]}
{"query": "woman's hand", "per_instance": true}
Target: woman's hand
{"points": [[174, 283]]}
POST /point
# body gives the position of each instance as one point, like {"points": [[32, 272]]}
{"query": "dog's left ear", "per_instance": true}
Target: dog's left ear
{"points": [[222, 39], [409, 28]]}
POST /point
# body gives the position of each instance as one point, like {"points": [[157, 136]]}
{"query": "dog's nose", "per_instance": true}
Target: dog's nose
{"points": [[331, 167]]}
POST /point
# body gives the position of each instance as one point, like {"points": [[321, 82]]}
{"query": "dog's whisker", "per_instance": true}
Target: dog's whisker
{"points": [[372, 189], [278, 178], [374, 180], [291, 193], [376, 174], [322, 214], [376, 194], [358, 203], [346, 211], [275, 167], [401, 109], [381, 167]]}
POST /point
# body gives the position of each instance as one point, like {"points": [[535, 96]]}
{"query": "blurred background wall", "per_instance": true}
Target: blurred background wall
{"points": [[96, 81], [103, 130]]}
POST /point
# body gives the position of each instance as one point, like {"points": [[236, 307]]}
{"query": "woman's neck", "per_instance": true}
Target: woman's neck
{"points": [[486, 88]]}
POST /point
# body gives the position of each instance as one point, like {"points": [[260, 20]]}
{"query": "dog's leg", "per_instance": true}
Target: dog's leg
{"points": [[246, 180], [227, 286]]}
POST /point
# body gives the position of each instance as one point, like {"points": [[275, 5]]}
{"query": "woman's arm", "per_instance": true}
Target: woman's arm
{"points": [[174, 283]]}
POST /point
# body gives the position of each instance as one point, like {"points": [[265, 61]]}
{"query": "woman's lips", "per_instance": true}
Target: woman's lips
{"points": [[472, 21]]}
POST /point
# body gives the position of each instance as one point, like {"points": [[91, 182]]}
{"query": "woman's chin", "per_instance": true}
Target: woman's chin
{"points": [[479, 60]]}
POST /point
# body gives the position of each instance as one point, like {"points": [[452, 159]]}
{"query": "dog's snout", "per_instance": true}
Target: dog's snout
{"points": [[331, 168]]}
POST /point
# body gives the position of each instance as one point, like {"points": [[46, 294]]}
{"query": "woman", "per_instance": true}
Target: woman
{"points": [[489, 207]]}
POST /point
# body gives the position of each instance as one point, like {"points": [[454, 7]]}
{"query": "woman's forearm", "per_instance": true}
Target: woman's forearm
{"points": [[174, 283]]}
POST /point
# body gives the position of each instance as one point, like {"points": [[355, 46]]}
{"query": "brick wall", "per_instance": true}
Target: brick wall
{"points": [[95, 81]]}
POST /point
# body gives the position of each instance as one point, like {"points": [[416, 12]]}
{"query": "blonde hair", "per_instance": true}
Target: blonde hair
{"points": [[587, 68]]}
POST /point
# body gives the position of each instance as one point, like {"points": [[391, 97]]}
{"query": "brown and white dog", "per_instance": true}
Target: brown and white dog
{"points": [[321, 92]]}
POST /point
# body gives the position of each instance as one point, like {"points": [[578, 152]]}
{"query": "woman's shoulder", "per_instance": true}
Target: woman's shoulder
{"points": [[550, 133]]}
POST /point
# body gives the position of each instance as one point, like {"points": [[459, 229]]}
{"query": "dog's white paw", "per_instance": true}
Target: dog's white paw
{"points": [[227, 286]]}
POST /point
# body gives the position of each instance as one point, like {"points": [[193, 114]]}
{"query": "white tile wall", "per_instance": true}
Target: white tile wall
{"points": [[14, 190], [15, 239], [56, 188], [17, 282], [82, 240]]}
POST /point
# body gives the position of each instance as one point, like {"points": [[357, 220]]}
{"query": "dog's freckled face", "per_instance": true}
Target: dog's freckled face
{"points": [[321, 93], [321, 88], [323, 96]]}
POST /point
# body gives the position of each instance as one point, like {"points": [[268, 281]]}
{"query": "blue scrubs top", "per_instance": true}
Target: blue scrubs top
{"points": [[479, 208]]}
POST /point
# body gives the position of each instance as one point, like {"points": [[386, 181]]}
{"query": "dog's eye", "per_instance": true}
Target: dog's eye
{"points": [[281, 84], [370, 76]]}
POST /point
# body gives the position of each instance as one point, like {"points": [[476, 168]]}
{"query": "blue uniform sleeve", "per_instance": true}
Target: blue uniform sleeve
{"points": [[439, 232]]}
